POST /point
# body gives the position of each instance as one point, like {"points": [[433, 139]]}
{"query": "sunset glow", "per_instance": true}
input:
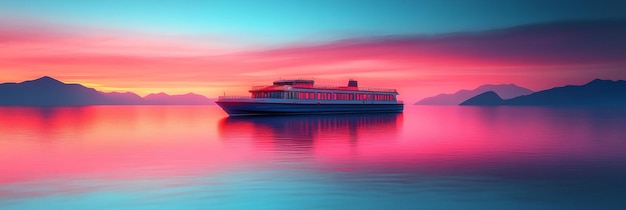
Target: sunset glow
{"points": [[117, 56], [313, 104]]}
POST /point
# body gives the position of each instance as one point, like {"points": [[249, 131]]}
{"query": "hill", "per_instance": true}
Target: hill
{"points": [[598, 92], [186, 99], [47, 91], [506, 91], [488, 98]]}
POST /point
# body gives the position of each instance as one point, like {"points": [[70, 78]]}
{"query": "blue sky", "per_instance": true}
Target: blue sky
{"points": [[285, 21]]}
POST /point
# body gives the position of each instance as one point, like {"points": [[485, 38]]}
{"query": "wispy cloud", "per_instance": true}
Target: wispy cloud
{"points": [[539, 55], [557, 43]]}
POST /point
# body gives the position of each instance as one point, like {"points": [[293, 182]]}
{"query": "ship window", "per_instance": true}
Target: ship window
{"points": [[324, 96], [363, 96], [341, 96]]}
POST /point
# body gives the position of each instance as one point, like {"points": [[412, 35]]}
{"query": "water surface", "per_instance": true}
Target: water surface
{"points": [[429, 157]]}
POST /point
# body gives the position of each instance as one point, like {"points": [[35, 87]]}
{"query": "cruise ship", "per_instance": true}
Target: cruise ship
{"points": [[301, 96]]}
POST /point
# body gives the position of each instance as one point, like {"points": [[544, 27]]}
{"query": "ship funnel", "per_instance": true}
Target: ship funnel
{"points": [[353, 83]]}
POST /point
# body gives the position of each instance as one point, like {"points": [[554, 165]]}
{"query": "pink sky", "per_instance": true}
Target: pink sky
{"points": [[533, 56]]}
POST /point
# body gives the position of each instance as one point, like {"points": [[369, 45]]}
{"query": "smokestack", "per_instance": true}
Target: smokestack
{"points": [[353, 83]]}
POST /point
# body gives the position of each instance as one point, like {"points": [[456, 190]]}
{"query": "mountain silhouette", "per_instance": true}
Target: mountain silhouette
{"points": [[186, 99], [598, 92], [47, 91], [506, 91], [488, 98]]}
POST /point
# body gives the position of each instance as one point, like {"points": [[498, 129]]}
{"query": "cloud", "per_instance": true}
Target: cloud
{"points": [[537, 55], [563, 43]]}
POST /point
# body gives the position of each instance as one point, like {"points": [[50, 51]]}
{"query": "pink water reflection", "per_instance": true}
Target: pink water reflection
{"points": [[110, 142], [444, 138], [152, 141]]}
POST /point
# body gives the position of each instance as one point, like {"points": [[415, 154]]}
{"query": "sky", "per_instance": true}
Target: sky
{"points": [[421, 48]]}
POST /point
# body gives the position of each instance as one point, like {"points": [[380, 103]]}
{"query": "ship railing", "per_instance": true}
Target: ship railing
{"points": [[336, 87], [324, 87], [234, 97], [268, 87], [259, 87]]}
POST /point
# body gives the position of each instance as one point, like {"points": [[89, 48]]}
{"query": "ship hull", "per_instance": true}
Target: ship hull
{"points": [[260, 108]]}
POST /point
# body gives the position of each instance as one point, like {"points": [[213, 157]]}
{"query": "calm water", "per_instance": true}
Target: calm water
{"points": [[429, 157]]}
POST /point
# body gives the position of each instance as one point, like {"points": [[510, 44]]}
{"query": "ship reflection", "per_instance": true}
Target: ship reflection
{"points": [[301, 131]]}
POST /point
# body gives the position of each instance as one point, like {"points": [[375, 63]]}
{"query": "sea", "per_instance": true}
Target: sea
{"points": [[196, 157]]}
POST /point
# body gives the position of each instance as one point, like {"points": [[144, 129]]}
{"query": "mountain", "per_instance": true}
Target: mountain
{"points": [[506, 91], [488, 98], [186, 99], [116, 98], [47, 91], [597, 93]]}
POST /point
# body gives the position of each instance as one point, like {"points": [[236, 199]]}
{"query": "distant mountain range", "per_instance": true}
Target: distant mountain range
{"points": [[598, 92], [505, 90], [47, 91]]}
